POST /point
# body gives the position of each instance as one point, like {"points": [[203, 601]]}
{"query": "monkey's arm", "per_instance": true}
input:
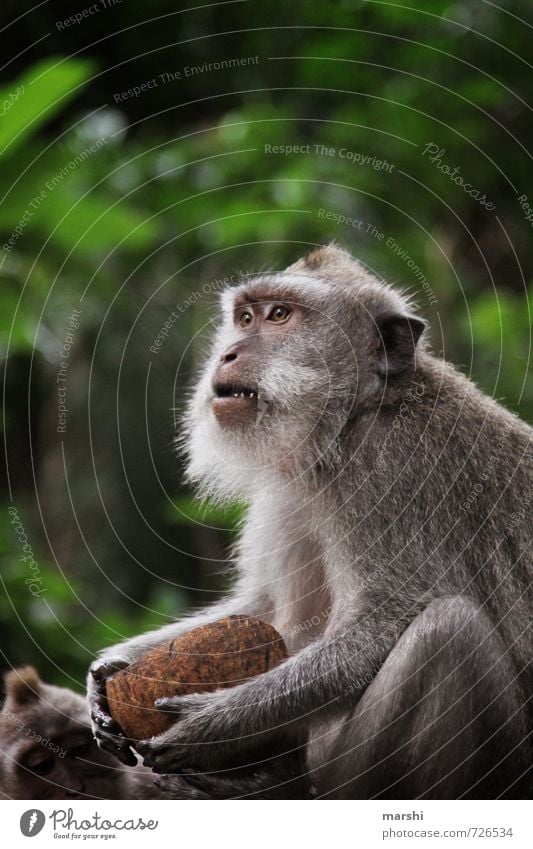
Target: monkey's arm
{"points": [[324, 677], [107, 732]]}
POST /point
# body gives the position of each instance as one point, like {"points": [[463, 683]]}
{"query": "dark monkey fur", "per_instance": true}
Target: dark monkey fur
{"points": [[388, 539], [47, 750]]}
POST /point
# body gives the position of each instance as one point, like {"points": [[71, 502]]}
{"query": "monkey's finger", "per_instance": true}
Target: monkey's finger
{"points": [[125, 756], [161, 758], [144, 747], [107, 739], [169, 704], [103, 719], [182, 705], [117, 746], [106, 668], [164, 763]]}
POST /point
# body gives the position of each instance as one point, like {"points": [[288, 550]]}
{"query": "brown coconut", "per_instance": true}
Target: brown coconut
{"points": [[221, 654]]}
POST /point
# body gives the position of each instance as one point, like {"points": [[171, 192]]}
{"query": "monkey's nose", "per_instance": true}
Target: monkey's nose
{"points": [[230, 355]]}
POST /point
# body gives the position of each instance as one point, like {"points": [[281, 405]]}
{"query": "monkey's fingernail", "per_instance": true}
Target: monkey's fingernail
{"points": [[108, 725], [166, 705]]}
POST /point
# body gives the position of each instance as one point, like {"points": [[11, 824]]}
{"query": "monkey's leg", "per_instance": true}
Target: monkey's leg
{"points": [[444, 718], [284, 777]]}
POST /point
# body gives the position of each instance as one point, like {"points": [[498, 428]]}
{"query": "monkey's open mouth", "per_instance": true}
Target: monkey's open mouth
{"points": [[233, 390], [234, 403]]}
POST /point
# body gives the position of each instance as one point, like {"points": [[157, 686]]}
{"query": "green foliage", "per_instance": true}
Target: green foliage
{"points": [[62, 625], [44, 90], [127, 208]]}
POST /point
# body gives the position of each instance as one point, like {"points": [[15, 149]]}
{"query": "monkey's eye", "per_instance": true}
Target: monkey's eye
{"points": [[279, 313], [245, 318], [44, 766]]}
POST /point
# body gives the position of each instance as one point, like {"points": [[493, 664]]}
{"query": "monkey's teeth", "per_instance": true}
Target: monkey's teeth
{"points": [[241, 393]]}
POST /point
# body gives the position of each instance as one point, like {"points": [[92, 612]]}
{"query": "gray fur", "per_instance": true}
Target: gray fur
{"points": [[47, 750], [380, 481]]}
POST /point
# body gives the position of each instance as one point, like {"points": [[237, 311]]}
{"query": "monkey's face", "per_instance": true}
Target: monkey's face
{"points": [[295, 356], [269, 366], [260, 326], [69, 765], [273, 381], [47, 750]]}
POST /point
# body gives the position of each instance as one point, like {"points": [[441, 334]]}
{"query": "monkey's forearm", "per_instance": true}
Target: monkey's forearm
{"points": [[325, 676], [214, 729]]}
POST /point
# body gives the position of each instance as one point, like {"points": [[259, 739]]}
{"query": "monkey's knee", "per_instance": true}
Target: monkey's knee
{"points": [[444, 717]]}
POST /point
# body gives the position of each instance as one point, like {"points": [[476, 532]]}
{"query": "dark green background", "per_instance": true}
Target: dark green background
{"points": [[182, 193]]}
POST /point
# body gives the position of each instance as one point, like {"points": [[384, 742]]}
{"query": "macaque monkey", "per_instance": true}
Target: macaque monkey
{"points": [[47, 750], [387, 538]]}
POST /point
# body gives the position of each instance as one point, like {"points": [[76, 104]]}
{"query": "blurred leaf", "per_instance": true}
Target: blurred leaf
{"points": [[23, 328], [44, 90], [94, 223]]}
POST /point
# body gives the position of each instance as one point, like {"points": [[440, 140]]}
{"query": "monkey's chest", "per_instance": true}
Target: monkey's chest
{"points": [[302, 605]]}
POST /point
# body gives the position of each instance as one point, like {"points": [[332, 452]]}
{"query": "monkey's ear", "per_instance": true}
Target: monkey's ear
{"points": [[398, 337], [22, 686]]}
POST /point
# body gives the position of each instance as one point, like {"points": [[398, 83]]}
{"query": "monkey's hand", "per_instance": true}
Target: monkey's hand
{"points": [[198, 739], [107, 732]]}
